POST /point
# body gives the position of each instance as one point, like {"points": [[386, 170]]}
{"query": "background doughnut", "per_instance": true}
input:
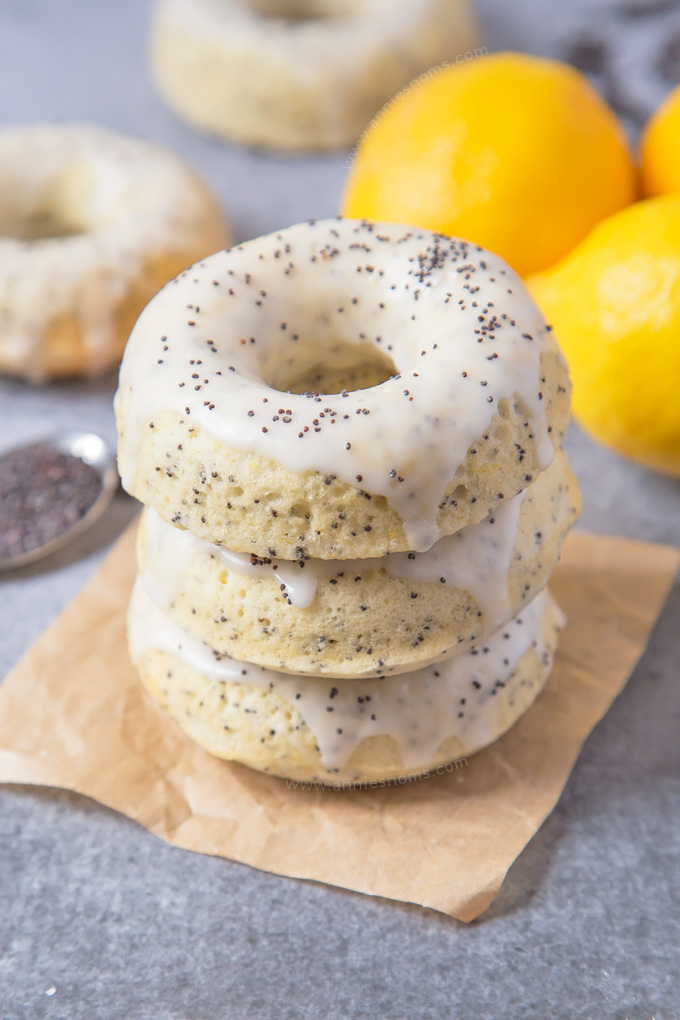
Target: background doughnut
{"points": [[92, 224]]}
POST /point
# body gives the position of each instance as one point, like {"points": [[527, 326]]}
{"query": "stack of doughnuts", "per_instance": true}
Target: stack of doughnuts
{"points": [[347, 439]]}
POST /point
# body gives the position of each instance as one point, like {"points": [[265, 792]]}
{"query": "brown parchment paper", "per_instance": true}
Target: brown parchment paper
{"points": [[72, 714]]}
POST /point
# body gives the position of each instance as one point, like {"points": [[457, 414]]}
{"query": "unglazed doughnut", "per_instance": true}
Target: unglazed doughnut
{"points": [[363, 617], [226, 425], [355, 731], [92, 224], [298, 73]]}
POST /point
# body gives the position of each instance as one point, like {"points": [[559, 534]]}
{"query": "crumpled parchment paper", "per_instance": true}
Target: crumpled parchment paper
{"points": [[73, 714]]}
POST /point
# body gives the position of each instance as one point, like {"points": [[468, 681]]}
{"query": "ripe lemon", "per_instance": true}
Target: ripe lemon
{"points": [[516, 153], [660, 149], [615, 305]]}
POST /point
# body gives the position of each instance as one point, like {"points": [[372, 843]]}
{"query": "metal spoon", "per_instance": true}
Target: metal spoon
{"points": [[32, 483]]}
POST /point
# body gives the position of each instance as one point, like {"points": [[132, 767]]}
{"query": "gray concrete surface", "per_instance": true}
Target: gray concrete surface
{"points": [[98, 919]]}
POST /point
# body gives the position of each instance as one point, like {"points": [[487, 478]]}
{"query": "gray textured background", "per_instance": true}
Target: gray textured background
{"points": [[98, 919]]}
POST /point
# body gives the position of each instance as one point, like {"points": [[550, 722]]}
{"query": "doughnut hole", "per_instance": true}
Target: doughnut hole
{"points": [[304, 10], [51, 209], [345, 366]]}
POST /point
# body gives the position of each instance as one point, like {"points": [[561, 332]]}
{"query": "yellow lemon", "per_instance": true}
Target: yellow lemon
{"points": [[615, 305], [516, 153], [660, 149]]}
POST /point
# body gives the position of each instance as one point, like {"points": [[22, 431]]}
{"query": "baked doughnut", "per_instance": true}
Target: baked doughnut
{"points": [[298, 73], [363, 617], [344, 731], [92, 224], [239, 415]]}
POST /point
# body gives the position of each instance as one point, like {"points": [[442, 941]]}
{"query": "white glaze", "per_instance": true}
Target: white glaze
{"points": [[419, 709], [125, 200], [425, 300], [475, 559]]}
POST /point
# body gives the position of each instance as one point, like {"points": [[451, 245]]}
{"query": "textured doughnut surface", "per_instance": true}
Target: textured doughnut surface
{"points": [[341, 389], [342, 731], [92, 224], [298, 73], [363, 617]]}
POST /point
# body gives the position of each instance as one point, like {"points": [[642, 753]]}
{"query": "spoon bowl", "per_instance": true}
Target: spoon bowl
{"points": [[86, 447]]}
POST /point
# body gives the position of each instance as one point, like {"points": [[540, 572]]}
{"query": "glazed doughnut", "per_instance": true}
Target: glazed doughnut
{"points": [[238, 410], [354, 731], [298, 73], [363, 617], [92, 225]]}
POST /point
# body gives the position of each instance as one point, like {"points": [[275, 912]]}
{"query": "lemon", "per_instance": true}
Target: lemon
{"points": [[516, 153], [660, 149], [615, 305]]}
